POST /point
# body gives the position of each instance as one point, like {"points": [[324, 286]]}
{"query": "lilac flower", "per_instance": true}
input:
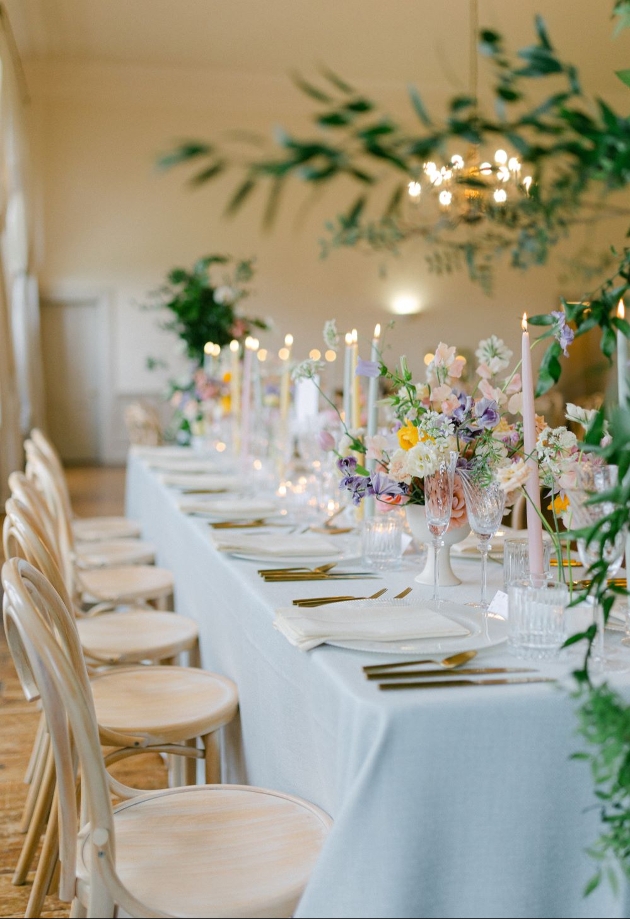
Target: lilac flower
{"points": [[380, 484], [464, 409], [563, 332], [347, 464], [357, 484], [487, 414], [368, 368]]}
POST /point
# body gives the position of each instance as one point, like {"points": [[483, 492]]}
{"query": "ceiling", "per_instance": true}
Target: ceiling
{"points": [[373, 41]]}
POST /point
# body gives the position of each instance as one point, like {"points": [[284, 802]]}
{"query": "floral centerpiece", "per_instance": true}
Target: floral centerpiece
{"points": [[434, 418], [204, 308]]}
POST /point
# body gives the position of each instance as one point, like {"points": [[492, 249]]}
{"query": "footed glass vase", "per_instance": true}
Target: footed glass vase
{"points": [[416, 519]]}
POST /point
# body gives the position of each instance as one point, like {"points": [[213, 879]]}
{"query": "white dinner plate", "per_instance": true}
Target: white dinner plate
{"points": [[290, 560], [486, 630], [232, 510]]}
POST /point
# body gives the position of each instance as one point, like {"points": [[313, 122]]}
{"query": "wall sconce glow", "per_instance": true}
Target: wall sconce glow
{"points": [[405, 305], [314, 354], [331, 356]]}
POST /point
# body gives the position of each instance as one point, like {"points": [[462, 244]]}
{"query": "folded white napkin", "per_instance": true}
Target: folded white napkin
{"points": [[147, 450], [229, 509], [365, 621], [201, 481], [468, 546], [275, 545], [185, 465]]}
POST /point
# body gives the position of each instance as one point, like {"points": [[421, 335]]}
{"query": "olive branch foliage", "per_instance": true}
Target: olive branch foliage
{"points": [[578, 151]]}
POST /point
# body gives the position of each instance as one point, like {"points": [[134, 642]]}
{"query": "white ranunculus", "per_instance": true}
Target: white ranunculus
{"points": [[331, 335], [494, 353], [514, 476], [423, 459]]}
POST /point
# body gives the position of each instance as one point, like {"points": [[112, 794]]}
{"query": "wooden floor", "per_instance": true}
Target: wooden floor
{"points": [[94, 491]]}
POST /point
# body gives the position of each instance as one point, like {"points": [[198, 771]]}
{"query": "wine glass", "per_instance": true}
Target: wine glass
{"points": [[592, 481], [485, 503], [438, 500]]}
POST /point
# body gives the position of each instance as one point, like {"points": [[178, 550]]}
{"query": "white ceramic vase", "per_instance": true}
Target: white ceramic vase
{"points": [[417, 521]]}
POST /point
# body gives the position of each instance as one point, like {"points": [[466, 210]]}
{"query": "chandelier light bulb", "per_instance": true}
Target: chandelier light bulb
{"points": [[486, 169], [414, 189], [500, 196], [513, 164], [527, 182], [503, 174], [457, 161], [501, 157], [430, 168], [445, 198]]}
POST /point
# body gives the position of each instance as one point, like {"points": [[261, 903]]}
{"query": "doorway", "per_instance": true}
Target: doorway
{"points": [[74, 354]]}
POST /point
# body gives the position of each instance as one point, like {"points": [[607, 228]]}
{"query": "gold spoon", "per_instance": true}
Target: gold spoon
{"points": [[449, 663]]}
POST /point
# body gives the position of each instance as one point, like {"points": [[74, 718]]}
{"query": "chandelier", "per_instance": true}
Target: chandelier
{"points": [[466, 188]]}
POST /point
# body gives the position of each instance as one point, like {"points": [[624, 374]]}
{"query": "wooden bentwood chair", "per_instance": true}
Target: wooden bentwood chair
{"points": [[205, 850]]}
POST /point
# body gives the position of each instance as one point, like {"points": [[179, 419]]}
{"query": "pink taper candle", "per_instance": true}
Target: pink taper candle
{"points": [[534, 523]]}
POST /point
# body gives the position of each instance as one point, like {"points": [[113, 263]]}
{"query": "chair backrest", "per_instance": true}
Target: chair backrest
{"points": [[49, 528], [52, 459], [45, 648], [24, 537], [41, 474], [143, 424]]}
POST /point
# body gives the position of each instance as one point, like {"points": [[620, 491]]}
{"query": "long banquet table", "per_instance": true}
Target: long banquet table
{"points": [[446, 803]]}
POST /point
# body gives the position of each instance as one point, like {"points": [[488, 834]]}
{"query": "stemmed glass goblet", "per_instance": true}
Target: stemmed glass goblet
{"points": [[485, 503], [591, 482], [438, 500]]}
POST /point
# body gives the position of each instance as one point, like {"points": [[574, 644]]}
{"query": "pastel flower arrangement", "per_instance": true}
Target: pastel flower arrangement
{"points": [[189, 399], [433, 418]]}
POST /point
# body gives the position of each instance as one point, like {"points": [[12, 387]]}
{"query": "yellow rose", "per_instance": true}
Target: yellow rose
{"points": [[408, 436]]}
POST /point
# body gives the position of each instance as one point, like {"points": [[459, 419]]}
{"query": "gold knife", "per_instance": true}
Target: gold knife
{"points": [[434, 684], [467, 671]]}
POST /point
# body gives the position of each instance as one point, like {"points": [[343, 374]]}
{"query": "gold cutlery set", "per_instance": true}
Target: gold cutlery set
{"points": [[323, 601], [321, 573], [398, 676]]}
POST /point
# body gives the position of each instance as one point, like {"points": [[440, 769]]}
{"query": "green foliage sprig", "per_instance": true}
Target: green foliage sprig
{"points": [[203, 309]]}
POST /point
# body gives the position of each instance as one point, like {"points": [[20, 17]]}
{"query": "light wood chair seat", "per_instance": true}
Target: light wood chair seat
{"points": [[97, 529], [169, 704], [113, 552], [214, 850], [135, 636], [125, 584]]}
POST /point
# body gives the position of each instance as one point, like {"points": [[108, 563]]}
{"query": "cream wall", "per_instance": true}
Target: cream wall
{"points": [[114, 225]]}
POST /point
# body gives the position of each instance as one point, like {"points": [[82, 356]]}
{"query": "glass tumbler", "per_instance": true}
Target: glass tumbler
{"points": [[516, 559], [382, 542], [536, 618]]}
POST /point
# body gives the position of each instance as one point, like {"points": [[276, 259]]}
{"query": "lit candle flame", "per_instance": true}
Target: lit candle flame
{"points": [[288, 340], [234, 346], [355, 336], [621, 310], [348, 338], [524, 322], [377, 330], [208, 347]]}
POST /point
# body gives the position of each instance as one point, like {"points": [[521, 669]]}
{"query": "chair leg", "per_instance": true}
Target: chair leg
{"points": [[191, 765], [46, 866], [212, 758], [77, 910], [33, 791], [37, 745], [194, 655], [40, 815], [162, 603]]}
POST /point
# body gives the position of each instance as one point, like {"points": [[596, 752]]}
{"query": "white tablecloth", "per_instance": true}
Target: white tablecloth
{"points": [[447, 803]]}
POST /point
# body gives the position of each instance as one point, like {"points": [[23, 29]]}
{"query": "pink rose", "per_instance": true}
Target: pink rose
{"points": [[459, 517]]}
